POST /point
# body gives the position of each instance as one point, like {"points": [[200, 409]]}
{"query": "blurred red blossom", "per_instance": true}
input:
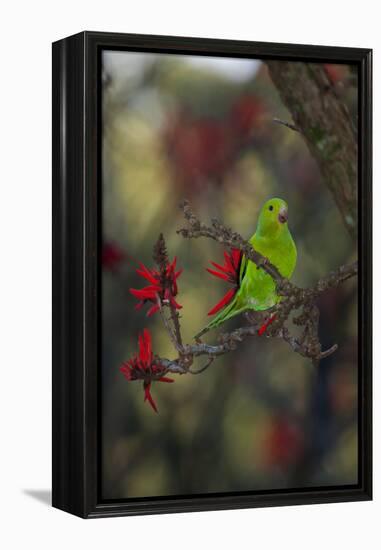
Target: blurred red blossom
{"points": [[335, 73], [199, 148], [112, 256], [143, 366], [246, 114], [228, 272], [205, 148], [284, 442], [163, 287], [342, 390]]}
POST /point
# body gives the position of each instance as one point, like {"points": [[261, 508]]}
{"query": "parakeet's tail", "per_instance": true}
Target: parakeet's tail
{"points": [[228, 312]]}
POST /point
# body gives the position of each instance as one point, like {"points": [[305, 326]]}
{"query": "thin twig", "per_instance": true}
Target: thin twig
{"points": [[288, 124], [168, 327], [202, 368], [176, 325], [329, 351]]}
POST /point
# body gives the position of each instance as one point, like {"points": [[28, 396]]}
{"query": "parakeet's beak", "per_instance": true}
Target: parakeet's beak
{"points": [[283, 214]]}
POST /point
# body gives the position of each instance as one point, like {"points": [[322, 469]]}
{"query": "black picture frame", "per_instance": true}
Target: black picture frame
{"points": [[76, 276]]}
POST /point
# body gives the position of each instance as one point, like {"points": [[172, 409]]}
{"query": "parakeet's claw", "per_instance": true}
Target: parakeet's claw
{"points": [[262, 263], [254, 316]]}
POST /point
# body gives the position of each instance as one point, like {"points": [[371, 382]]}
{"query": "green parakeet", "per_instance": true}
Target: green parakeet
{"points": [[255, 288]]}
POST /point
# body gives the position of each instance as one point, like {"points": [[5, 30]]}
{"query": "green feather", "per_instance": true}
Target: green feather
{"points": [[257, 290]]}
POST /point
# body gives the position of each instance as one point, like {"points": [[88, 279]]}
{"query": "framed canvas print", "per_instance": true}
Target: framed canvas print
{"points": [[211, 274]]}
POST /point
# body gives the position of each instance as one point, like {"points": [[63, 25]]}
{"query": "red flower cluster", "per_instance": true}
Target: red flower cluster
{"points": [[199, 149], [246, 115], [112, 256], [205, 148], [284, 443], [162, 286], [335, 72], [143, 367], [228, 272]]}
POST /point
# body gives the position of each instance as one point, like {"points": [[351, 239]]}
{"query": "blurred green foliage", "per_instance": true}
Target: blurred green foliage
{"points": [[262, 417]]}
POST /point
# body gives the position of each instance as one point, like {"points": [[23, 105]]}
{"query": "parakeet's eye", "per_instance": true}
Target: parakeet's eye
{"points": [[271, 207]]}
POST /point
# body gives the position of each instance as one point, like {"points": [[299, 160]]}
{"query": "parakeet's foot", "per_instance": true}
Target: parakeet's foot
{"points": [[254, 317], [263, 263]]}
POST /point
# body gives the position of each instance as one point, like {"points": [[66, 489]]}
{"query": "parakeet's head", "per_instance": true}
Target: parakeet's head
{"points": [[273, 217]]}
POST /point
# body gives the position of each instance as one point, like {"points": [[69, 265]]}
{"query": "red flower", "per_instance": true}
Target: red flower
{"points": [[246, 114], [199, 149], [228, 272], [284, 442], [267, 323], [145, 367], [335, 73], [112, 256], [162, 286]]}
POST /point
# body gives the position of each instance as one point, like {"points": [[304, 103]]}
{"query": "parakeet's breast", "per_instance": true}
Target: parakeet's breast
{"points": [[257, 288], [280, 251]]}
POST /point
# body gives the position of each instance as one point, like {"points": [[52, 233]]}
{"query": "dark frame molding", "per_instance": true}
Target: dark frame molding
{"points": [[76, 236]]}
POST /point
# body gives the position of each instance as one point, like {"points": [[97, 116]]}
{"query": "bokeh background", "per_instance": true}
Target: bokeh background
{"points": [[263, 417]]}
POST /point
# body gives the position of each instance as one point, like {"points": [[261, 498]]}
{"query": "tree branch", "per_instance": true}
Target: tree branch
{"points": [[294, 298], [325, 123]]}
